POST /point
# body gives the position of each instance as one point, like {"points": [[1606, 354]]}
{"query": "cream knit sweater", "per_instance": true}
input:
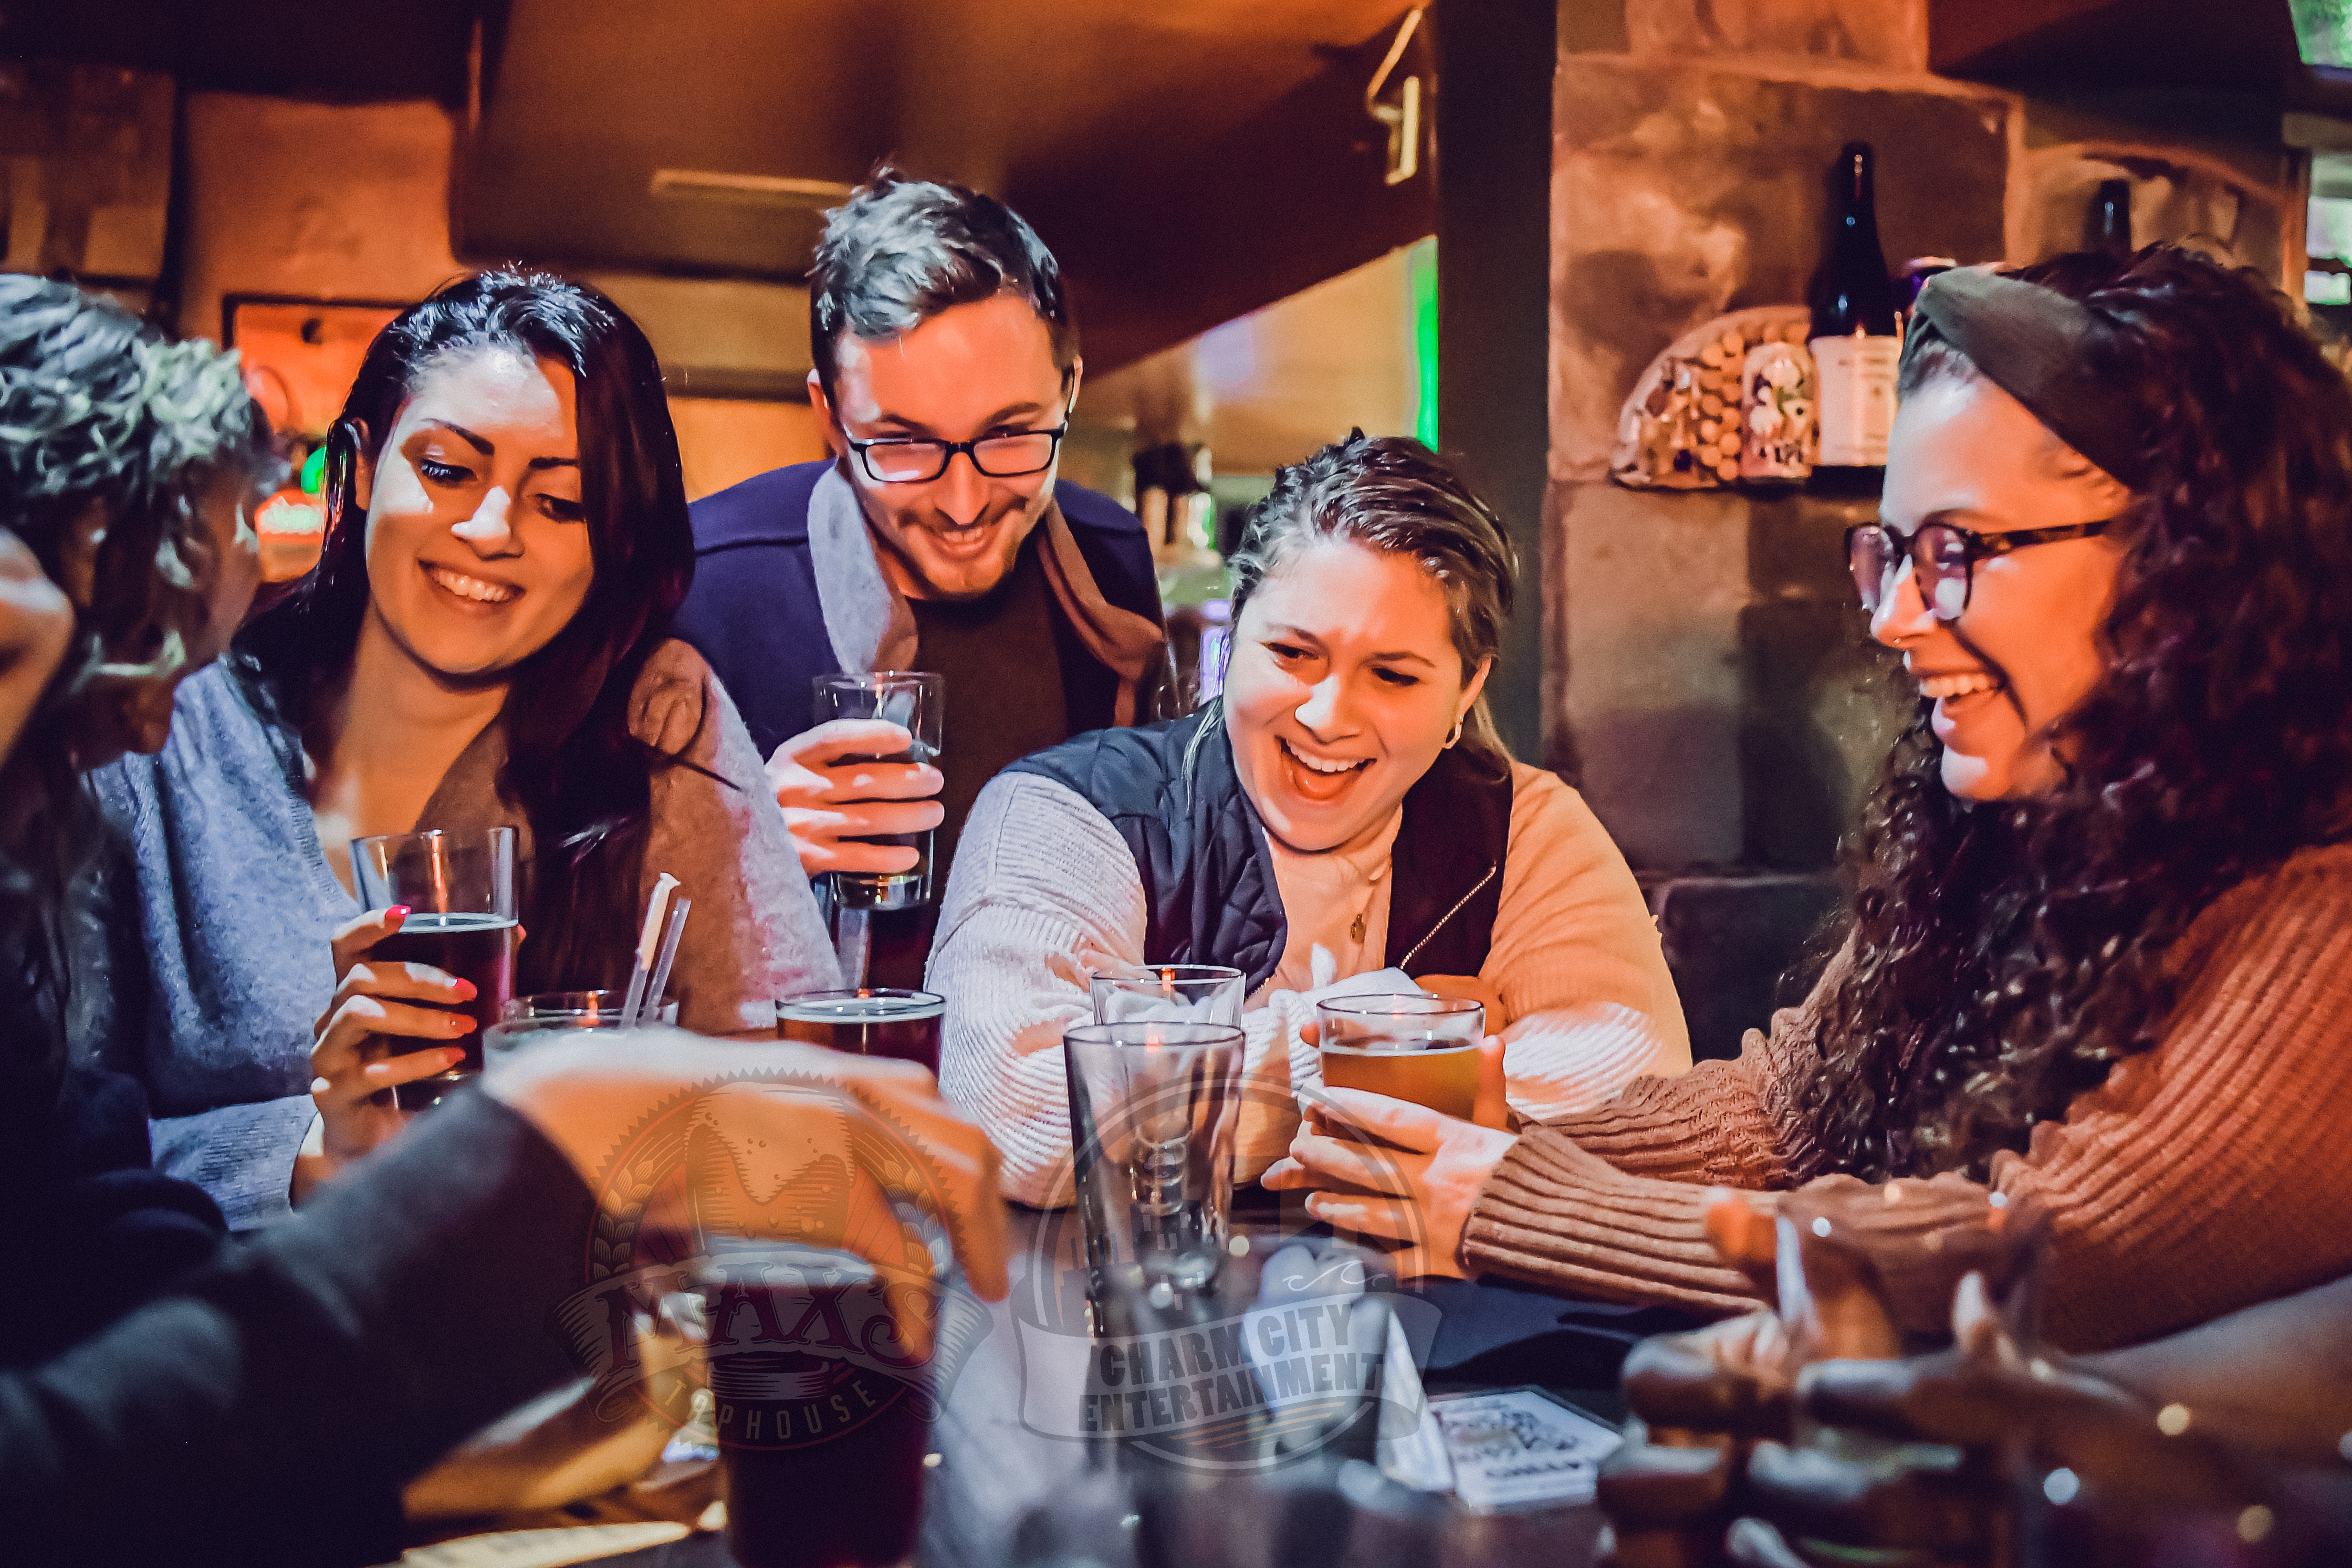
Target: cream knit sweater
{"points": [[1044, 892]]}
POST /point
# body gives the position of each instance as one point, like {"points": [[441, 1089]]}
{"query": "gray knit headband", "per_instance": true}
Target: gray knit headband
{"points": [[2055, 355]]}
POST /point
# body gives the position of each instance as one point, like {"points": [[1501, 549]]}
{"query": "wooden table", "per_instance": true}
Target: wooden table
{"points": [[1005, 1494]]}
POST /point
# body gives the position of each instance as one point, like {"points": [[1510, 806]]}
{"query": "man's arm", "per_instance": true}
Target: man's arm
{"points": [[1043, 893]]}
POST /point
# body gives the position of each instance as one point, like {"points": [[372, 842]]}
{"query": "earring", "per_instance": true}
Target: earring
{"points": [[1454, 736]]}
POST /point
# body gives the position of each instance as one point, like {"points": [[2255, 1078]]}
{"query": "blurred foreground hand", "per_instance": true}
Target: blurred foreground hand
{"points": [[778, 1106]]}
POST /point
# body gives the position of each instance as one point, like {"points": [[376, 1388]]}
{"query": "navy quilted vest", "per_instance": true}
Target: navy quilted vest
{"points": [[1208, 884]]}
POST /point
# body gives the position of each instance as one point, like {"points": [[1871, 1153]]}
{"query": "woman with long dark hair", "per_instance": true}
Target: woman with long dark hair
{"points": [[270, 1396], [2101, 953], [484, 642]]}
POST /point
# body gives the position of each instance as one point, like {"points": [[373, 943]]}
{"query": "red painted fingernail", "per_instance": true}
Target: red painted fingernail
{"points": [[465, 992], [459, 1023], [400, 909]]}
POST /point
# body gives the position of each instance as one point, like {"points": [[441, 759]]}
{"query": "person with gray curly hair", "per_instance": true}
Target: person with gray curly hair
{"points": [[115, 447], [129, 470]]}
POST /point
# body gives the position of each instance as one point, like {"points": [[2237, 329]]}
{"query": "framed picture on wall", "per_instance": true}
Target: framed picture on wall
{"points": [[300, 354]]}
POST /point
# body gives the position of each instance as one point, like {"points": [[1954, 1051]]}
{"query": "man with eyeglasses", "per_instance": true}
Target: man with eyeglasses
{"points": [[936, 538]]}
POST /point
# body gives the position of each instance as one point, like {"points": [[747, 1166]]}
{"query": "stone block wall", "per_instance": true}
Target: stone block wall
{"points": [[1709, 680]]}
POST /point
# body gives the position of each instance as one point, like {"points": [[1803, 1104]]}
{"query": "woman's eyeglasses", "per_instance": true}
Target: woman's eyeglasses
{"points": [[897, 460], [1944, 557]]}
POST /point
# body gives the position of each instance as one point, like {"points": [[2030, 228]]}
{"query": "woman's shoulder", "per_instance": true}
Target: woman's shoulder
{"points": [[1543, 802], [2295, 913], [2315, 883], [213, 716], [670, 708]]}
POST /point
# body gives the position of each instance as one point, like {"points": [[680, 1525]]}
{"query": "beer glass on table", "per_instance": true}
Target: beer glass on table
{"points": [[915, 701], [542, 1016], [867, 1023], [1154, 1109], [458, 888], [819, 1361], [1411, 1046], [1203, 993], [820, 1456]]}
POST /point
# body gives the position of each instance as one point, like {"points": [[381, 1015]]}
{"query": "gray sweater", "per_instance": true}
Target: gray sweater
{"points": [[212, 913]]}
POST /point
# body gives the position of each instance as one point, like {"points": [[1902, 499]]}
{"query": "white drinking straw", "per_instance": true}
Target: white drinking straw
{"points": [[651, 1011], [646, 937]]}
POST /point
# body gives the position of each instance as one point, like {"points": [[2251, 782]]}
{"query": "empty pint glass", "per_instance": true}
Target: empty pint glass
{"points": [[1154, 1107], [1202, 992], [544, 1015], [1411, 1046], [870, 1023], [458, 887], [914, 702]]}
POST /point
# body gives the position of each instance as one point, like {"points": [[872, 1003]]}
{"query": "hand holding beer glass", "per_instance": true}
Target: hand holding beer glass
{"points": [[419, 977], [857, 794]]}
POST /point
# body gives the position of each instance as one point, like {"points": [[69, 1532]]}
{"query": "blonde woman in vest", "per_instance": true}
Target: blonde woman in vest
{"points": [[1343, 818]]}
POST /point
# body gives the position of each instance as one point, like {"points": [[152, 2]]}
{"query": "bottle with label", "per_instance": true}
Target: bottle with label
{"points": [[1856, 340]]}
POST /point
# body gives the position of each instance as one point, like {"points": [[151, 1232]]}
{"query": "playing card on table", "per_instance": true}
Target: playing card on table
{"points": [[1520, 1445]]}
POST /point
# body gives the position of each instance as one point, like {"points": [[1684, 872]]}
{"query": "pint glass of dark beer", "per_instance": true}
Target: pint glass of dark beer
{"points": [[458, 887], [823, 1413], [871, 1023], [914, 701]]}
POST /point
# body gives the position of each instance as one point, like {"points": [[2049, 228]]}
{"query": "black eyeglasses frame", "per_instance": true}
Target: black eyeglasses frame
{"points": [[950, 448], [1974, 547]]}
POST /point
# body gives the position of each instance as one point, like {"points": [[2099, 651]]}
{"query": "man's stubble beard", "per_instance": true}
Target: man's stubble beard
{"points": [[999, 565]]}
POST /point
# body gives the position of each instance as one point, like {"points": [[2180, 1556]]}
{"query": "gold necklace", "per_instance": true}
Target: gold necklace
{"points": [[1371, 892]]}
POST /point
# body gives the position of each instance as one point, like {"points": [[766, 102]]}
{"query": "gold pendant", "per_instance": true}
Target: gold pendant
{"points": [[1356, 931]]}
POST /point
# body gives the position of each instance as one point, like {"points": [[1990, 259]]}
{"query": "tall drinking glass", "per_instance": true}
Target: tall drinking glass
{"points": [[458, 887], [916, 702], [1154, 1107], [821, 1430], [1203, 993], [1411, 1046]]}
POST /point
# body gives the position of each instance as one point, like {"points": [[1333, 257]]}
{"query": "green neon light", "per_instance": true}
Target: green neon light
{"points": [[1421, 267], [2322, 31]]}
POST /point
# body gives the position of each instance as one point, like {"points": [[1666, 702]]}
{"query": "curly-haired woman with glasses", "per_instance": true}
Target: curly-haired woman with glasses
{"points": [[2101, 953]]}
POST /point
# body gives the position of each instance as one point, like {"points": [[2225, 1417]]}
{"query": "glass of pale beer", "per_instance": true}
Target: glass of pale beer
{"points": [[1409, 1046]]}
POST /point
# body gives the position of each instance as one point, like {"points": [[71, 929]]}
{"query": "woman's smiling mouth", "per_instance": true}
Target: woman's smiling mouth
{"points": [[474, 590], [1318, 779], [1938, 687]]}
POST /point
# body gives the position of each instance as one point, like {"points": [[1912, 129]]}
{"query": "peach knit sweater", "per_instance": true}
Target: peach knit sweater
{"points": [[2210, 1173]]}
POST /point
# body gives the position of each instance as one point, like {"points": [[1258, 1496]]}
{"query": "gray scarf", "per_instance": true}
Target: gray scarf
{"points": [[871, 627]]}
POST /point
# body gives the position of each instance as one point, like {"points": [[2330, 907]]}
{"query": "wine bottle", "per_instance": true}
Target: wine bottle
{"points": [[1855, 339]]}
